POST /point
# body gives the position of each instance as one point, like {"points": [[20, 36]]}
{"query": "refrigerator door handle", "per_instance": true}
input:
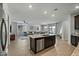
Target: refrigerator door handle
{"points": [[3, 45]]}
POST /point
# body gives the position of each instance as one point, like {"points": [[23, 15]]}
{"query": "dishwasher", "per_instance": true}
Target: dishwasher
{"points": [[39, 45]]}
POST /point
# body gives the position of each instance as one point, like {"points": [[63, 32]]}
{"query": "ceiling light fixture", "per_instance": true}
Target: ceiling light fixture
{"points": [[30, 6], [45, 12], [53, 15], [45, 26], [76, 7]]}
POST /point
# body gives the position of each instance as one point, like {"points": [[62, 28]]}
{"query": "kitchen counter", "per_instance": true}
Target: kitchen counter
{"points": [[36, 36], [40, 35], [76, 35]]}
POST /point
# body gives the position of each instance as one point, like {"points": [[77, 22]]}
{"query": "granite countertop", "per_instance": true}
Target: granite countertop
{"points": [[75, 34], [36, 36], [39, 35]]}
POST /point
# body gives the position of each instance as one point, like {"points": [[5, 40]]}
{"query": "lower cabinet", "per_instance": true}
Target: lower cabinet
{"points": [[12, 37], [49, 41], [74, 40]]}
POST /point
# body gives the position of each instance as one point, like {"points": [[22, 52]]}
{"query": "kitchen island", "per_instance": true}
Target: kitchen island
{"points": [[41, 42]]}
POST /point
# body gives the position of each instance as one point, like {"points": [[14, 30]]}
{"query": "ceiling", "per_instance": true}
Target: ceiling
{"points": [[21, 11]]}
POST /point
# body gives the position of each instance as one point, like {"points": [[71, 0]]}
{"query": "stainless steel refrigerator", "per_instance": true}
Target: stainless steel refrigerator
{"points": [[3, 34]]}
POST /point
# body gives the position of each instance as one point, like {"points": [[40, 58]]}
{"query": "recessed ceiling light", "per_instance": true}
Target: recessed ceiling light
{"points": [[30, 6], [45, 27], [45, 12], [76, 7], [52, 15]]}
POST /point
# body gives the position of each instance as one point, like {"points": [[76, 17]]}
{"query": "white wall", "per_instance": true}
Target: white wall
{"points": [[14, 28], [59, 27], [66, 28]]}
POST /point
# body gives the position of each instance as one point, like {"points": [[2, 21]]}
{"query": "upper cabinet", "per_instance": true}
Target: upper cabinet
{"points": [[77, 22]]}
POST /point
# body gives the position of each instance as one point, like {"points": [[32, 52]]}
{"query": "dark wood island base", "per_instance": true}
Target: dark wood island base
{"points": [[40, 43]]}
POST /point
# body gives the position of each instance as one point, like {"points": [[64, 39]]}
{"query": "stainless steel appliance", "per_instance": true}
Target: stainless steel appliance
{"points": [[40, 44], [3, 34]]}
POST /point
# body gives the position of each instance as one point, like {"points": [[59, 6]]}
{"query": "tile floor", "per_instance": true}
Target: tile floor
{"points": [[21, 47]]}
